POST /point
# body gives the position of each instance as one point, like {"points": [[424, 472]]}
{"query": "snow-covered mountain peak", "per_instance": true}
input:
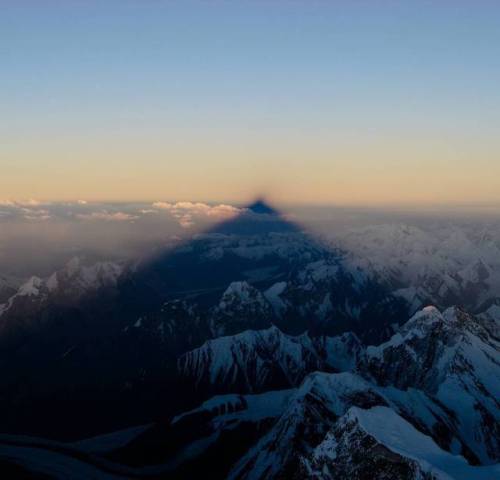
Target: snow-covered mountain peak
{"points": [[429, 325], [339, 390], [311, 413], [259, 360], [241, 294], [250, 361], [435, 338], [31, 287], [90, 276], [442, 264], [241, 307], [73, 265], [64, 286], [428, 315], [452, 357], [379, 443], [417, 329], [75, 274]]}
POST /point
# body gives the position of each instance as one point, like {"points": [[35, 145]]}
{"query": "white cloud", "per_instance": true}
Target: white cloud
{"points": [[30, 203], [187, 212], [38, 217], [36, 214], [186, 221], [23, 203], [27, 209], [108, 216], [163, 205]]}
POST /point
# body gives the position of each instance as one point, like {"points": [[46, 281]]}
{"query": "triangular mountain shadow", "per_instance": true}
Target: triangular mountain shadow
{"points": [[257, 218], [187, 272], [113, 356], [260, 206]]}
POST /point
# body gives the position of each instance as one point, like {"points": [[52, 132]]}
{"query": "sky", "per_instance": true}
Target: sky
{"points": [[311, 102]]}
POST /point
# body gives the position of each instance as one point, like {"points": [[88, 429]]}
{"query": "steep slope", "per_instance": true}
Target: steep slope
{"points": [[378, 443], [65, 286], [330, 296], [442, 264], [310, 414], [210, 438], [315, 435], [255, 361], [490, 319], [8, 287], [452, 357], [440, 373], [241, 307]]}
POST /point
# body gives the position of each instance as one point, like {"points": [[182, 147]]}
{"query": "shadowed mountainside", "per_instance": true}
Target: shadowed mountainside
{"points": [[112, 355]]}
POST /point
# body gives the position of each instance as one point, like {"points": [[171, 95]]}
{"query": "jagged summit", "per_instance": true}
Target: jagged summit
{"points": [[256, 219]]}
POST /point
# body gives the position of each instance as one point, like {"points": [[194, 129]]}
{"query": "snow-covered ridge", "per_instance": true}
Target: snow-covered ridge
{"points": [[438, 378], [241, 307], [258, 360], [454, 358], [256, 407], [333, 423], [70, 283], [443, 264], [242, 293], [378, 431]]}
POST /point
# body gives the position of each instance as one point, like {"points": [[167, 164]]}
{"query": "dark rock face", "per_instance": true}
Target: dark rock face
{"points": [[325, 425], [262, 360], [452, 357], [318, 419], [356, 454]]}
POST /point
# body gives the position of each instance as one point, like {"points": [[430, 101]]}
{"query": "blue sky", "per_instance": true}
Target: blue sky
{"points": [[215, 100]]}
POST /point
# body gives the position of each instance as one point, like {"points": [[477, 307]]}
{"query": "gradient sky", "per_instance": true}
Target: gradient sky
{"points": [[354, 102]]}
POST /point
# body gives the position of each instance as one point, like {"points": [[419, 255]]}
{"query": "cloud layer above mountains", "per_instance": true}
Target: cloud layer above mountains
{"points": [[186, 214], [37, 236]]}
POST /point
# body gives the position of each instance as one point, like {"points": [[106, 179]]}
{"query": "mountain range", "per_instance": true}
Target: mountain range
{"points": [[255, 350]]}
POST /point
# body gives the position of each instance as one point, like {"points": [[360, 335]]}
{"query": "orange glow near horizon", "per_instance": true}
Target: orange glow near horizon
{"points": [[315, 103]]}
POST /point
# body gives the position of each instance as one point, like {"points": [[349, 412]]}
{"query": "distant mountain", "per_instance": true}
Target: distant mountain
{"points": [[132, 321], [256, 361], [255, 351], [64, 288], [443, 264], [241, 307]]}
